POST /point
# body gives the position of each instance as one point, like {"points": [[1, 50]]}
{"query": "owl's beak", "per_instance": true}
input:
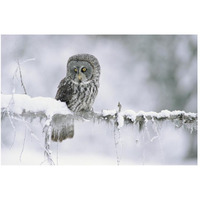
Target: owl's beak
{"points": [[79, 77]]}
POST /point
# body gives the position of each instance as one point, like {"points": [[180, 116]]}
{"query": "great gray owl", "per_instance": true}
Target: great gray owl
{"points": [[78, 89]]}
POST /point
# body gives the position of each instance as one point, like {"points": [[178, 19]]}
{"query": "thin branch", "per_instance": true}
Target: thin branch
{"points": [[28, 60], [21, 79], [20, 158]]}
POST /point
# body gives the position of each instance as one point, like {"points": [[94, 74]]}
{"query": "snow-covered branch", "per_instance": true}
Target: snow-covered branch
{"points": [[58, 119], [47, 108]]}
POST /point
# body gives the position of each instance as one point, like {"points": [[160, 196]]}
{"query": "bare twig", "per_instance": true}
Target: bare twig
{"points": [[20, 158], [47, 131], [21, 79]]}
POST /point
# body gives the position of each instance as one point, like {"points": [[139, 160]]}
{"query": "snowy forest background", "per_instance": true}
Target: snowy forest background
{"points": [[149, 73]]}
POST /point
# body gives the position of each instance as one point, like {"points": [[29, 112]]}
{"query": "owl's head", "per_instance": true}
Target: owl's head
{"points": [[83, 68]]}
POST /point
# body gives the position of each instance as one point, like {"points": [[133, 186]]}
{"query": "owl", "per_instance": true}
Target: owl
{"points": [[78, 90]]}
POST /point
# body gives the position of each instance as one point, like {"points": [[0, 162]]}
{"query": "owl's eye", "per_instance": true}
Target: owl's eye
{"points": [[83, 69], [75, 70]]}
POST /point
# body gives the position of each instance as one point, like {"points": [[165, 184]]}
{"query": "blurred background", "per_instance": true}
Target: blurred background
{"points": [[142, 72]]}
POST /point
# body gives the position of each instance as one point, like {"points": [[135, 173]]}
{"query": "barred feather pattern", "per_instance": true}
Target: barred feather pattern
{"points": [[79, 96], [83, 96]]}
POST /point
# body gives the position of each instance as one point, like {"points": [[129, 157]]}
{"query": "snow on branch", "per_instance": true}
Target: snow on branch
{"points": [[47, 108], [22, 108], [58, 117], [24, 105]]}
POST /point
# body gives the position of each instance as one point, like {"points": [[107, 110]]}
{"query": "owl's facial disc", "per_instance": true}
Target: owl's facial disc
{"points": [[80, 71]]}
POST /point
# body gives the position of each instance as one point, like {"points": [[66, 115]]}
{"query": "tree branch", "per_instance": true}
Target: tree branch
{"points": [[21, 79], [58, 117], [47, 108]]}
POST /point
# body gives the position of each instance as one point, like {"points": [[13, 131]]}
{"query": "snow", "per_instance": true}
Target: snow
{"points": [[19, 103], [164, 114], [138, 91], [120, 120], [190, 114], [108, 112], [132, 115]]}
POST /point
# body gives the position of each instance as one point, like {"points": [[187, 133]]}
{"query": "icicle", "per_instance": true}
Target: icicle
{"points": [[120, 121], [143, 120], [156, 129], [117, 144], [191, 127], [48, 130]]}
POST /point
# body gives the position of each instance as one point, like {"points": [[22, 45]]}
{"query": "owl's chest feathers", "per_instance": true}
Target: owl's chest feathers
{"points": [[83, 96]]}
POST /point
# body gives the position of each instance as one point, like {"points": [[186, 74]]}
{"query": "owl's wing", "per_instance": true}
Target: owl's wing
{"points": [[64, 92], [63, 126]]}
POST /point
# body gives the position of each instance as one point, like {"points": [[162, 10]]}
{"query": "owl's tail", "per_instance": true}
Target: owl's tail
{"points": [[62, 127]]}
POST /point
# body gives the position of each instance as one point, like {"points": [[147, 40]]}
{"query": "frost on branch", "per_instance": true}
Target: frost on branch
{"points": [[19, 105], [58, 117], [23, 107], [141, 118]]}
